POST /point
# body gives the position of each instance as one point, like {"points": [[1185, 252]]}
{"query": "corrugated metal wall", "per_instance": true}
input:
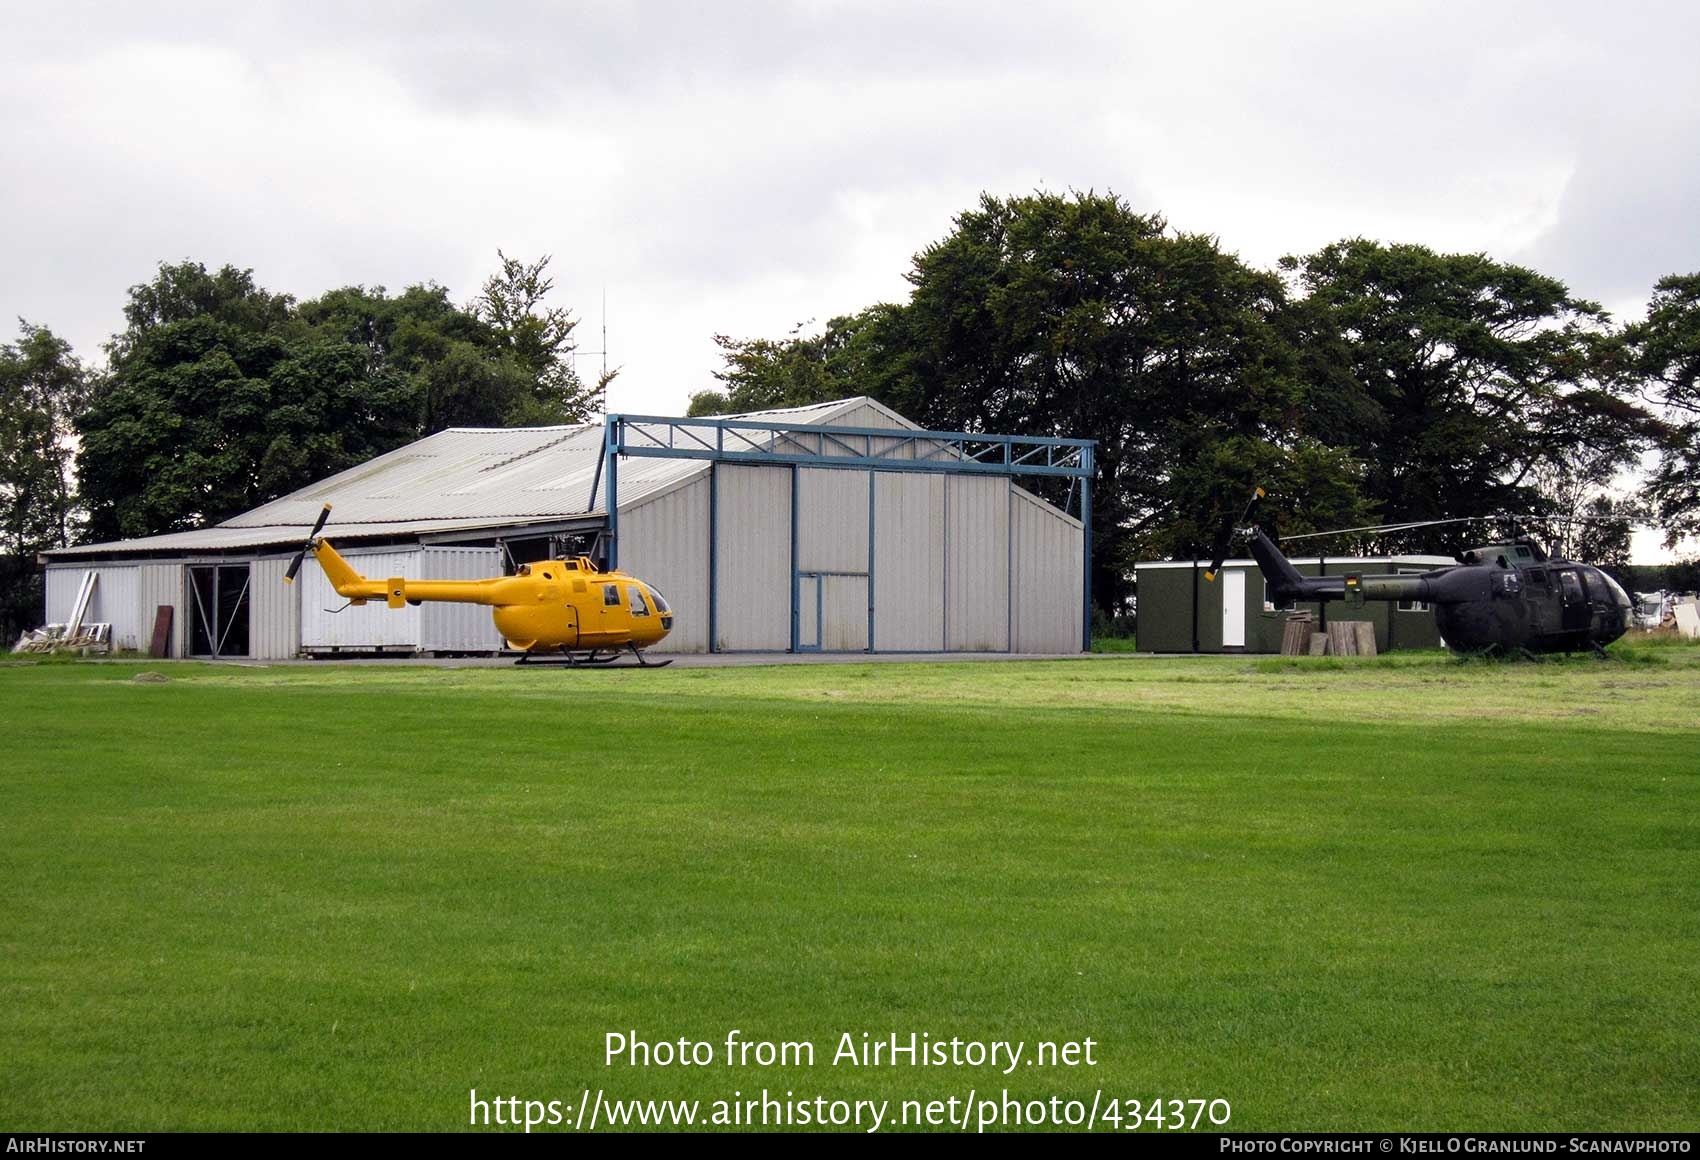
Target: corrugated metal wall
{"points": [[844, 613], [372, 626], [832, 521], [1047, 615], [753, 557], [114, 601], [159, 584], [908, 562], [445, 627], [976, 535], [274, 621], [664, 542]]}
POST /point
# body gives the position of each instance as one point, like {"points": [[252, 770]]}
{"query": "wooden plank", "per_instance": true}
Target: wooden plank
{"points": [[1342, 639], [1366, 638], [1319, 644], [1295, 638], [160, 645]]}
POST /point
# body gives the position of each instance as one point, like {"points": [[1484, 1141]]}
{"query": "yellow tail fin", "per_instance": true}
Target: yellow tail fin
{"points": [[342, 575]]}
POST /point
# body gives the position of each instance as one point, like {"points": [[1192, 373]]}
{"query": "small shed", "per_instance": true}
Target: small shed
{"points": [[1179, 611]]}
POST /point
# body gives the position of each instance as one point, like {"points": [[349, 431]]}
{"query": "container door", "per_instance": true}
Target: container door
{"points": [[1233, 608]]}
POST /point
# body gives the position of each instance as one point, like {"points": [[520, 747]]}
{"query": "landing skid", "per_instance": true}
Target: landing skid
{"points": [[598, 656]]}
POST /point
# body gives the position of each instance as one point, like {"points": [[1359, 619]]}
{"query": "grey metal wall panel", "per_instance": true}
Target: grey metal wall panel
{"points": [[62, 584], [274, 622], [832, 520], [977, 564], [1046, 610], [664, 542], [844, 614], [908, 579], [162, 584], [115, 601], [375, 625], [447, 627], [753, 557]]}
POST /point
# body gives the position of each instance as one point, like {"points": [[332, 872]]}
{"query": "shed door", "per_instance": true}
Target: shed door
{"points": [[1233, 608], [218, 603]]}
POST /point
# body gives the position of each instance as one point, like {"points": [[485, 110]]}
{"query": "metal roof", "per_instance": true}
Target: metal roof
{"points": [[462, 478]]}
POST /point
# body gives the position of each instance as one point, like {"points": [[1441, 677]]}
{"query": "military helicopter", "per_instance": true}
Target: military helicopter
{"points": [[551, 608], [1509, 598]]}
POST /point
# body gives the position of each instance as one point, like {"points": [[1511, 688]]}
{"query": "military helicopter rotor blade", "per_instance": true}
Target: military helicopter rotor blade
{"points": [[318, 526], [1221, 551], [1406, 527], [1415, 524]]}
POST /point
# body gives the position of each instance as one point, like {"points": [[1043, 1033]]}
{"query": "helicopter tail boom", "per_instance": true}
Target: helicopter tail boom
{"points": [[398, 591], [1286, 584]]}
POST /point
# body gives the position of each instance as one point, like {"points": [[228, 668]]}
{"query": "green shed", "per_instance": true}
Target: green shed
{"points": [[1179, 611]]}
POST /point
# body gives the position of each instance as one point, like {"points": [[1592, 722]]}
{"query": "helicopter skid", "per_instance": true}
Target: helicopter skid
{"points": [[575, 660]]}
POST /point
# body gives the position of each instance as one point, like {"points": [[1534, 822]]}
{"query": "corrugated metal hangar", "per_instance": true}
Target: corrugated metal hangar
{"points": [[1180, 611], [835, 528]]}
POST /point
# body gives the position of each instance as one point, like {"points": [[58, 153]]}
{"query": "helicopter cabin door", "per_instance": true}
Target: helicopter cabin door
{"points": [[1233, 608], [1576, 611]]}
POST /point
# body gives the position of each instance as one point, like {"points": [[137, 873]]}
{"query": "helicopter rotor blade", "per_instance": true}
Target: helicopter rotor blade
{"points": [[312, 537], [1221, 551]]}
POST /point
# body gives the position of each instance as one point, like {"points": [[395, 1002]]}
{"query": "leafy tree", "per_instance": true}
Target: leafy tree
{"points": [[538, 340], [1458, 381], [222, 395], [1075, 315], [218, 399], [1662, 358], [41, 386]]}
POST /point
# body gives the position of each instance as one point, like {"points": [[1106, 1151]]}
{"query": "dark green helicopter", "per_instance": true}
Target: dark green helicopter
{"points": [[1509, 598]]}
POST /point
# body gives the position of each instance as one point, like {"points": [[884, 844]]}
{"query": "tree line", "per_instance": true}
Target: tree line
{"points": [[1364, 383], [219, 395]]}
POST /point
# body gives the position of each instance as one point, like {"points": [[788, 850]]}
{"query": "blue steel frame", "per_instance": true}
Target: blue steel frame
{"points": [[867, 448]]}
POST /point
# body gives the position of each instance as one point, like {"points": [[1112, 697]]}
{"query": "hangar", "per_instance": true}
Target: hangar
{"points": [[1180, 611], [840, 527]]}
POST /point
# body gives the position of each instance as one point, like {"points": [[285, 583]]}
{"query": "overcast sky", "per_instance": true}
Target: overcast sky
{"points": [[740, 167]]}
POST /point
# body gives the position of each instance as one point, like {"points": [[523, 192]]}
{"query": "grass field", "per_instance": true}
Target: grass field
{"points": [[1408, 892]]}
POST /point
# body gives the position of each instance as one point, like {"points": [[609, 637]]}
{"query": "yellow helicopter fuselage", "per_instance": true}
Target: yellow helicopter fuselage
{"points": [[548, 606]]}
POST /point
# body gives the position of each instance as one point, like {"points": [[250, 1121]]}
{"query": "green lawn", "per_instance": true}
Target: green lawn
{"points": [[1408, 892]]}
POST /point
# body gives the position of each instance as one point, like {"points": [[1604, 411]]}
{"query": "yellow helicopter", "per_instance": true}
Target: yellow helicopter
{"points": [[564, 608]]}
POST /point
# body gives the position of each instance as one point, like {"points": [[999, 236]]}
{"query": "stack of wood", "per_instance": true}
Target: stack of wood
{"points": [[1343, 638]]}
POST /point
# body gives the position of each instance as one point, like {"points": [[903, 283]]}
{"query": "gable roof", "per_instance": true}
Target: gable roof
{"points": [[468, 478]]}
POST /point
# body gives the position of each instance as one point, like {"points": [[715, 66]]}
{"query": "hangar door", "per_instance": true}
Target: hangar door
{"points": [[218, 606], [833, 603]]}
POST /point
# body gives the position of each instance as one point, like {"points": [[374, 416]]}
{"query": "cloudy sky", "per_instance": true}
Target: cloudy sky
{"points": [[744, 166]]}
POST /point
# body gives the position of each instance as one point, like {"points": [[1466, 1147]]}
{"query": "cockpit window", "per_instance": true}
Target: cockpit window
{"points": [[661, 604], [611, 595], [639, 606], [1571, 587], [1603, 588]]}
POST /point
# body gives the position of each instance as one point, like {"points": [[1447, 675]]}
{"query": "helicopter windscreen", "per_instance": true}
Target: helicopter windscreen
{"points": [[1618, 596]]}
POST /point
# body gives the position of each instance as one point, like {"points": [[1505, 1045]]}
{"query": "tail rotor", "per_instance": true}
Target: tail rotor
{"points": [[312, 541], [1221, 552]]}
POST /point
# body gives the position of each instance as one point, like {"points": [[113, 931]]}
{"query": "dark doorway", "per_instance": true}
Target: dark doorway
{"points": [[218, 610]]}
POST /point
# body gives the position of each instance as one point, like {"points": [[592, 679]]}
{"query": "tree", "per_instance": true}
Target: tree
{"points": [[1662, 359], [221, 395], [1075, 315], [1460, 382], [41, 387], [217, 399], [537, 339]]}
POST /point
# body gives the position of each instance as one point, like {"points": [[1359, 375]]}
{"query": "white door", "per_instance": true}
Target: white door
{"points": [[1233, 608]]}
